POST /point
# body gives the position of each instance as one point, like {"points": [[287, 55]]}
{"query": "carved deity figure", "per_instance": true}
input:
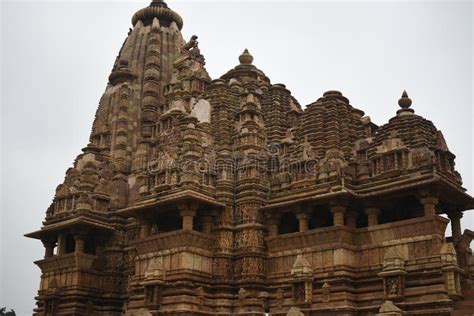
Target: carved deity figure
{"points": [[299, 293], [280, 297], [392, 287], [422, 157]]}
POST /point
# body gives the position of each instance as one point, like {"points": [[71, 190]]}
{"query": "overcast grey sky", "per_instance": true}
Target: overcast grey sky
{"points": [[56, 57]]}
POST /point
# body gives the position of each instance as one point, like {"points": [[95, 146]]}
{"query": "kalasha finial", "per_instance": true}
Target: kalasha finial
{"points": [[246, 58], [405, 102], [158, 3]]}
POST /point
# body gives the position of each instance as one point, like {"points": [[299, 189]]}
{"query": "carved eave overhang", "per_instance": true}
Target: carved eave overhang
{"points": [[81, 223], [310, 197], [150, 207], [443, 188], [449, 192]]}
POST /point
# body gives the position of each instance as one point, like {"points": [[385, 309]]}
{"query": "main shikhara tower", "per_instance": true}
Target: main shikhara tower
{"points": [[201, 197]]}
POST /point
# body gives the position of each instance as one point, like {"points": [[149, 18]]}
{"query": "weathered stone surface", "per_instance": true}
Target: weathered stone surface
{"points": [[225, 196], [389, 309]]}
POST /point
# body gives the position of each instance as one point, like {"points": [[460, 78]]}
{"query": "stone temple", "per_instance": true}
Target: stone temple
{"points": [[225, 197]]}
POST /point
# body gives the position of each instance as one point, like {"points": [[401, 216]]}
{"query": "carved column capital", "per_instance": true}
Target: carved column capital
{"points": [[372, 211], [49, 245], [429, 200], [79, 245], [188, 207], [455, 214], [302, 215], [303, 219], [338, 209], [272, 219], [429, 205], [61, 243], [339, 202], [373, 214], [456, 230], [145, 228], [338, 212], [80, 233], [188, 212]]}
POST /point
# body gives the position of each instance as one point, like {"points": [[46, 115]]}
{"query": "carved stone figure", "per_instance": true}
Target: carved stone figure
{"points": [[193, 43]]}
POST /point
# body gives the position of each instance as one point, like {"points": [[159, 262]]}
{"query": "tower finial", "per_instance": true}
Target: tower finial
{"points": [[158, 3], [245, 58], [404, 102]]}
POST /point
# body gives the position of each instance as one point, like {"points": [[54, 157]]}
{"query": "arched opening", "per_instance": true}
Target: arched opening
{"points": [[288, 224], [320, 217], [169, 221]]}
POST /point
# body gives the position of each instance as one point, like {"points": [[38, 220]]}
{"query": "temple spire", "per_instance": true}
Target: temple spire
{"points": [[158, 3]]}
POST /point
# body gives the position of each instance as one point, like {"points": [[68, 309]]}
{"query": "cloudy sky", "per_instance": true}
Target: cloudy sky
{"points": [[56, 57]]}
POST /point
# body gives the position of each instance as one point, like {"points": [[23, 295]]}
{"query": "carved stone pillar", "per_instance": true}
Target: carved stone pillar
{"points": [[455, 217], [351, 219], [145, 228], [429, 205], [338, 212], [188, 212], [61, 244], [188, 217], [303, 220], [79, 246], [272, 219], [48, 248], [373, 214]]}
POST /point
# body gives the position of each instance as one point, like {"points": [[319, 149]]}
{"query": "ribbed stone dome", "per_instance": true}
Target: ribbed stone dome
{"points": [[158, 9]]}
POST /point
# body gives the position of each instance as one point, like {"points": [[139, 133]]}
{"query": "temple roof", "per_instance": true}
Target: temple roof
{"points": [[414, 130], [246, 68]]}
